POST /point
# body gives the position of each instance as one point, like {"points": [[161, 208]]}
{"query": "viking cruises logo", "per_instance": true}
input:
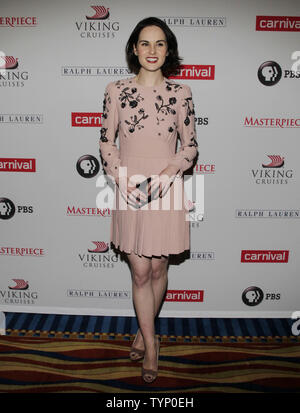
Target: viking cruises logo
{"points": [[19, 285], [19, 293], [98, 25], [9, 76], [98, 257], [273, 173]]}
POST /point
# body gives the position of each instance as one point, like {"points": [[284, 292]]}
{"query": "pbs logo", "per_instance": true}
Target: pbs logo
{"points": [[252, 296]]}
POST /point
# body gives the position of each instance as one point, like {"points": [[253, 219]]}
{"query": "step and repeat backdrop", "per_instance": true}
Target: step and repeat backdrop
{"points": [[242, 62]]}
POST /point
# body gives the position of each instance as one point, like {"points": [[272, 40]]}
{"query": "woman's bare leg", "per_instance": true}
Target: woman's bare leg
{"points": [[149, 283]]}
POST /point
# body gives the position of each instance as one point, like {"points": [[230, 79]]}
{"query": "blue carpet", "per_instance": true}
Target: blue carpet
{"points": [[172, 327]]}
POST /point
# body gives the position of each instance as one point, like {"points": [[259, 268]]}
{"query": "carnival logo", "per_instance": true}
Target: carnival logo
{"points": [[17, 165], [98, 25], [88, 166], [278, 23], [273, 172], [274, 256], [185, 295], [87, 119], [195, 72]]}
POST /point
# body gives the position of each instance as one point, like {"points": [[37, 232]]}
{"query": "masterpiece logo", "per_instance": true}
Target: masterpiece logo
{"points": [[253, 122], [9, 77], [98, 25], [278, 23], [99, 257], [18, 21], [21, 252], [73, 211], [17, 165], [18, 294], [185, 296], [273, 172], [273, 256]]}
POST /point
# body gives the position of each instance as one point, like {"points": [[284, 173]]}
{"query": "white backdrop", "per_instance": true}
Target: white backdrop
{"points": [[55, 65]]}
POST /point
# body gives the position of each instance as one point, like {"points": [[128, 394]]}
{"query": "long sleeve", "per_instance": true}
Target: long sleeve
{"points": [[109, 152], [187, 152]]}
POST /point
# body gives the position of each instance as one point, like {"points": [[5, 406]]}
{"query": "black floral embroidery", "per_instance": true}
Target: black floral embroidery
{"points": [[127, 96], [135, 122], [188, 104], [165, 108], [172, 87]]}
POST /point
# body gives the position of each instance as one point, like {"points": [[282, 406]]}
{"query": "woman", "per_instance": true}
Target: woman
{"points": [[148, 111]]}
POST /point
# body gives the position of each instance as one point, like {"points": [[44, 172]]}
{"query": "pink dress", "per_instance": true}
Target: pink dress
{"points": [[148, 120]]}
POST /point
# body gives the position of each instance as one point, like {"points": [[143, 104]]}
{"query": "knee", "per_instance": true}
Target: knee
{"points": [[141, 278], [159, 272]]}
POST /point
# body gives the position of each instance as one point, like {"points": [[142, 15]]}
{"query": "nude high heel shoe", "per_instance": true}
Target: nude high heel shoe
{"points": [[135, 353], [150, 375]]}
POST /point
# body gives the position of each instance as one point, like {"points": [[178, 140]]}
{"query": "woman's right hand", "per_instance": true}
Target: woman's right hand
{"points": [[132, 195]]}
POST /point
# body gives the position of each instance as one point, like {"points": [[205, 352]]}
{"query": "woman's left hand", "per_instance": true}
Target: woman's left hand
{"points": [[162, 181]]}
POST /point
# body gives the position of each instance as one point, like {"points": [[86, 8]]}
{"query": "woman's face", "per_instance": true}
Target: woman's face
{"points": [[151, 48]]}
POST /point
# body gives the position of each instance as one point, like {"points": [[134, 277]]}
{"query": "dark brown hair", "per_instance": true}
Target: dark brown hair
{"points": [[172, 63]]}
